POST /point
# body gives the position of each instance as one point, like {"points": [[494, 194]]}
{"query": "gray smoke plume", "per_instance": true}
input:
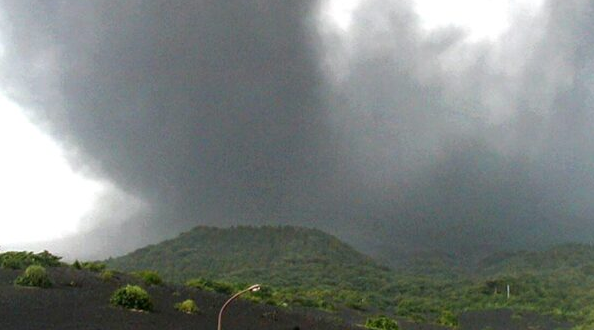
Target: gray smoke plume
{"points": [[465, 145], [235, 112]]}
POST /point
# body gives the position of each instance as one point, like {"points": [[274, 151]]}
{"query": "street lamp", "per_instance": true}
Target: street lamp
{"points": [[252, 288]]}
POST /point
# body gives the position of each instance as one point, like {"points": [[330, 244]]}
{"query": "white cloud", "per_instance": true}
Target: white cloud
{"points": [[42, 197], [482, 19], [339, 12]]}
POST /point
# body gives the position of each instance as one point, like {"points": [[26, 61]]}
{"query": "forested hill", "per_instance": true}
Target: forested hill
{"points": [[311, 268], [279, 256], [560, 258]]}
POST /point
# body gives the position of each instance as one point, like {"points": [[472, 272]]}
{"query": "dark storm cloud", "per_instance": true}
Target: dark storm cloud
{"points": [[469, 144], [221, 112], [207, 110]]}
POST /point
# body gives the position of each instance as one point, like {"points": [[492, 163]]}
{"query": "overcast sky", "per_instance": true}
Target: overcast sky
{"points": [[396, 125]]}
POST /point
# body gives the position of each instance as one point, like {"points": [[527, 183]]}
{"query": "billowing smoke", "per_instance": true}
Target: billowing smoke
{"points": [[462, 145], [232, 112], [208, 111]]}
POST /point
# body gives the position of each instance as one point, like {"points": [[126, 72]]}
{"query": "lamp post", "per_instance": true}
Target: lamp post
{"points": [[252, 288]]}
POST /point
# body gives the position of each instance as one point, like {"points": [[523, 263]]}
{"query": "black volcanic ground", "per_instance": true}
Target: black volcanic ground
{"points": [[80, 300]]}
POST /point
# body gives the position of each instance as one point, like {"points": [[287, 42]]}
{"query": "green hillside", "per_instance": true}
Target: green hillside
{"points": [[278, 256], [558, 281], [310, 268], [557, 258]]}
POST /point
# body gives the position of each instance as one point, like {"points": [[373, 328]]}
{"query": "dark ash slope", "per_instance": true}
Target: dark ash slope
{"points": [[85, 306]]}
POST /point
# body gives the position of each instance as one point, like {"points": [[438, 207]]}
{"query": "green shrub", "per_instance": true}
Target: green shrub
{"points": [[381, 323], [215, 286], [11, 263], [263, 295], [94, 266], [188, 307], [76, 265], [448, 319], [107, 275], [22, 260], [34, 276], [149, 277], [313, 302], [356, 305], [132, 297]]}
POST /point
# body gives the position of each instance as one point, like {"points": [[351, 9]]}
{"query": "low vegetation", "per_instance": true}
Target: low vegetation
{"points": [[188, 306], [93, 266], [149, 277], [107, 275], [448, 319], [132, 297], [22, 260], [213, 286], [34, 276], [381, 323]]}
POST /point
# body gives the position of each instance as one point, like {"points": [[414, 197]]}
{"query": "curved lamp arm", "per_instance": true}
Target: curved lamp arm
{"points": [[252, 288]]}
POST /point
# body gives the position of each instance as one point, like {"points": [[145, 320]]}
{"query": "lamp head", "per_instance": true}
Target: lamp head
{"points": [[254, 288]]}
